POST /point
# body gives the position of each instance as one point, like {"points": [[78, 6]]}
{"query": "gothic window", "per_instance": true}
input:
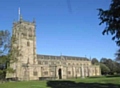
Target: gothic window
{"points": [[28, 44], [46, 62], [45, 73], [24, 32], [35, 73], [52, 57], [30, 32], [69, 72]]}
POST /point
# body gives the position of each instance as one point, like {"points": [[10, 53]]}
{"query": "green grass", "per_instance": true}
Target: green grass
{"points": [[24, 84], [100, 82]]}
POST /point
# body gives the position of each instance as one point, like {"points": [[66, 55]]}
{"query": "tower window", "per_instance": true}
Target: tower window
{"points": [[28, 44]]}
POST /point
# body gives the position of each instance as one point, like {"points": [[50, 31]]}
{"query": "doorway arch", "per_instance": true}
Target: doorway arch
{"points": [[60, 73]]}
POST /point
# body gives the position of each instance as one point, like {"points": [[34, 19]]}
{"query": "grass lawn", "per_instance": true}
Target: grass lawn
{"points": [[101, 82]]}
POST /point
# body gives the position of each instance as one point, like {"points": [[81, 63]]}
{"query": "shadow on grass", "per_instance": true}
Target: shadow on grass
{"points": [[113, 76], [105, 76], [72, 84]]}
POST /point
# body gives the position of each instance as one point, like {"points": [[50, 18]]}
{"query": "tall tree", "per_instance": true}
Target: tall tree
{"points": [[7, 52], [111, 65], [4, 49], [111, 18], [95, 61], [104, 69], [2, 66], [118, 68], [4, 42], [103, 60], [118, 55]]}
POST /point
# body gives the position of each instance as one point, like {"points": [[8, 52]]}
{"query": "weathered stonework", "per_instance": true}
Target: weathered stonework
{"points": [[31, 66]]}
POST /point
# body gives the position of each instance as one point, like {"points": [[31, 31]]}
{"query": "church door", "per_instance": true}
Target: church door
{"points": [[60, 73]]}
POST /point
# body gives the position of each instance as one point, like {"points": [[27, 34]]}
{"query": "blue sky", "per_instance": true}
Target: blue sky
{"points": [[73, 31]]}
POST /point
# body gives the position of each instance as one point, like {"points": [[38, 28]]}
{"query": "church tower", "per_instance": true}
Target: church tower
{"points": [[26, 40], [24, 32]]}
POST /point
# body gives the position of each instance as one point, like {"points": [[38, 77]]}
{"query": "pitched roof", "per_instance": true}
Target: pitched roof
{"points": [[39, 56]]}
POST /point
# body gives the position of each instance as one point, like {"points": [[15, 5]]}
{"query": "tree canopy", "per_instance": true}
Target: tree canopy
{"points": [[7, 52], [95, 61], [111, 18], [104, 69], [4, 42]]}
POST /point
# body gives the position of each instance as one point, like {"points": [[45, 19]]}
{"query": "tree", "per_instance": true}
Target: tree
{"points": [[95, 61], [4, 49], [117, 67], [7, 52], [104, 69], [2, 66], [112, 19], [4, 42], [103, 60], [110, 64], [117, 55]]}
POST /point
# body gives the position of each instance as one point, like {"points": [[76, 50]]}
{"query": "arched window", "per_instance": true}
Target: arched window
{"points": [[30, 32]]}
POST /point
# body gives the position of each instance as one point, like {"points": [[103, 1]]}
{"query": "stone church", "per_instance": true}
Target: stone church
{"points": [[31, 66]]}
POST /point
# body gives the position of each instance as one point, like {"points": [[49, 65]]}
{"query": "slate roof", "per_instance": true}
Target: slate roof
{"points": [[39, 56]]}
